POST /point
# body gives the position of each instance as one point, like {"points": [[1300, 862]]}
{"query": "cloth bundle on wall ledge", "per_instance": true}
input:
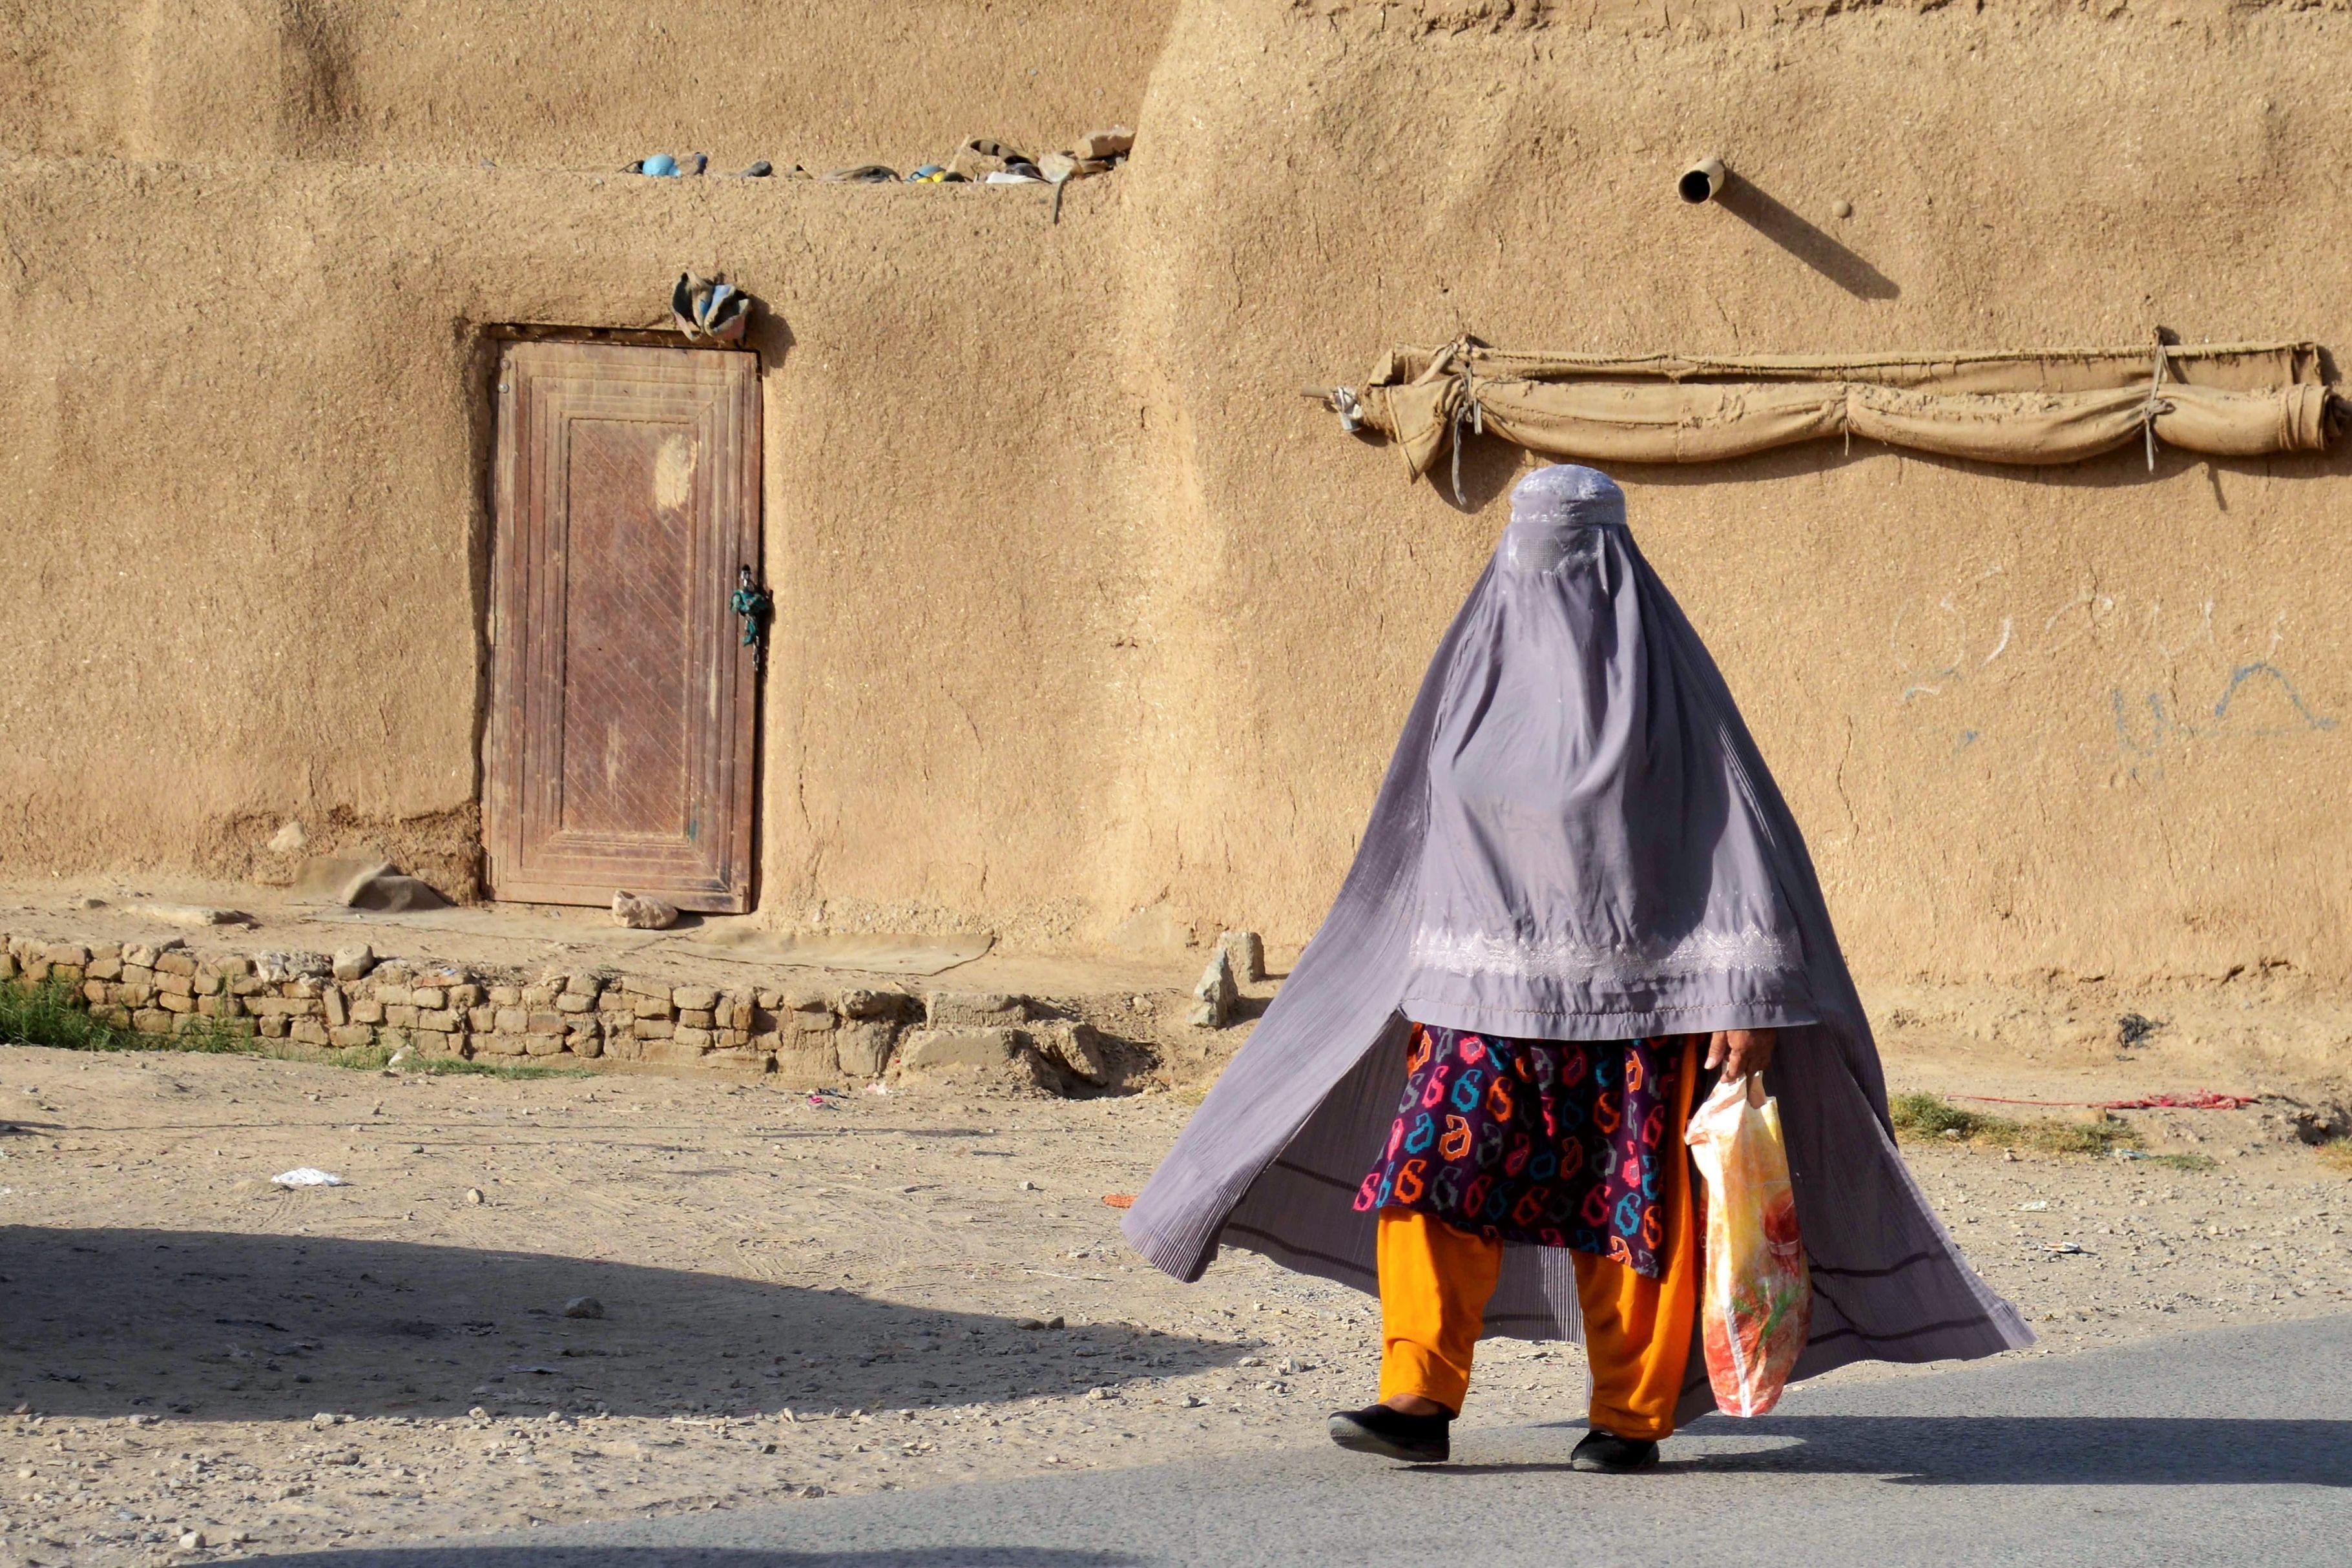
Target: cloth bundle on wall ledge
{"points": [[2049, 405]]}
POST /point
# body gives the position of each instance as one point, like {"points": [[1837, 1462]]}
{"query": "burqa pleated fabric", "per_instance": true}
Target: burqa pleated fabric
{"points": [[1576, 839]]}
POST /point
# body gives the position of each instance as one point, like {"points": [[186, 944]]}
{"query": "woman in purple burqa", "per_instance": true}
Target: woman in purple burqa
{"points": [[1580, 894]]}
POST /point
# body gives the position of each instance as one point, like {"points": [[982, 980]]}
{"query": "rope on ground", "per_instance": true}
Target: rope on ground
{"points": [[2203, 1100]]}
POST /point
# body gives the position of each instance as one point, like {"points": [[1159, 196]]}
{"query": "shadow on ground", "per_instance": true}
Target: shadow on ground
{"points": [[222, 1326], [693, 1557], [2019, 1450]]}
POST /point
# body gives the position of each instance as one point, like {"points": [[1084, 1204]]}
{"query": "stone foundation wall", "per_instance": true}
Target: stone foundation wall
{"points": [[352, 1001]]}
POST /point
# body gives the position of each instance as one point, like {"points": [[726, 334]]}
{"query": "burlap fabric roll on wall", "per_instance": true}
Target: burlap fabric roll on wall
{"points": [[2044, 406]]}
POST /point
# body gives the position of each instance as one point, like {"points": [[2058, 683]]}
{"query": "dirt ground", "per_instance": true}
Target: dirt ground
{"points": [[798, 1298]]}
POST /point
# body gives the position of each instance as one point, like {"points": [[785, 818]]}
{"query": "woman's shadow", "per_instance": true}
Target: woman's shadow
{"points": [[2021, 1451]]}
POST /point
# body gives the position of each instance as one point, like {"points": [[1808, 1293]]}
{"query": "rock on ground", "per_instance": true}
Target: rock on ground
{"points": [[642, 913]]}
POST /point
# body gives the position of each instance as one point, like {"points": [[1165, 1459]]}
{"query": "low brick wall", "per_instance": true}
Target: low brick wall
{"points": [[454, 1010], [812, 1035]]}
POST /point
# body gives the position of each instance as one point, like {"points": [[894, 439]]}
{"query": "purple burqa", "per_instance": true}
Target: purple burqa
{"points": [[1576, 839]]}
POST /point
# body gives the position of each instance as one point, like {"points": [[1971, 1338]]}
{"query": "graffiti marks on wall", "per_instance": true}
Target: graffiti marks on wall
{"points": [[2150, 679], [2272, 709]]}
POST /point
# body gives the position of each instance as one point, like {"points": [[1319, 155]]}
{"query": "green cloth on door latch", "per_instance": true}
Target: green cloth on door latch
{"points": [[756, 606]]}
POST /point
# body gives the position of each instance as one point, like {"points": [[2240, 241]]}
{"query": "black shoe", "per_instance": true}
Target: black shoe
{"points": [[1610, 1453], [1377, 1429]]}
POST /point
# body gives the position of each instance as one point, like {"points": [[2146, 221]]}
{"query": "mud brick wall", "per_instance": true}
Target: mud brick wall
{"points": [[2080, 721]]}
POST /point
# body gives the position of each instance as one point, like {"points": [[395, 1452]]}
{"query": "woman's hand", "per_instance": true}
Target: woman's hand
{"points": [[1740, 1052]]}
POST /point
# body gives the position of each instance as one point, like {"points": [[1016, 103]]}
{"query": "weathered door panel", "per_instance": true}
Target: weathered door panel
{"points": [[621, 737]]}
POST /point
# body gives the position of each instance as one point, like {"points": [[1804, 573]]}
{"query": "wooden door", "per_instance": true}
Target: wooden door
{"points": [[620, 746]]}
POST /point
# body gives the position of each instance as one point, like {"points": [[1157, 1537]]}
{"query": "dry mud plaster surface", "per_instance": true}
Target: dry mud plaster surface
{"points": [[2088, 718], [176, 1326]]}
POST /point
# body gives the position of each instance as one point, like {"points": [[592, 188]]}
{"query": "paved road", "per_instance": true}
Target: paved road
{"points": [[2225, 1446]]}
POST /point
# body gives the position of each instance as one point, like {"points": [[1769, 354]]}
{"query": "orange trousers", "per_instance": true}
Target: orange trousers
{"points": [[1434, 1281]]}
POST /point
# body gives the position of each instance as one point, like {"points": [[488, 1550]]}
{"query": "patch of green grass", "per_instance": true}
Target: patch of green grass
{"points": [[57, 1016], [2181, 1162], [2079, 1137], [1922, 1117], [2337, 1154], [53, 1015], [1933, 1116], [439, 1066]]}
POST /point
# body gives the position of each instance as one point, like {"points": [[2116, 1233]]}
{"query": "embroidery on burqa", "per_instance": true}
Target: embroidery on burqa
{"points": [[1546, 1142], [1632, 962]]}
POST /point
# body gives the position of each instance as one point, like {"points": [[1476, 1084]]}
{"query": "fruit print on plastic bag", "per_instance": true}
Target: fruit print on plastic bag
{"points": [[1756, 1297]]}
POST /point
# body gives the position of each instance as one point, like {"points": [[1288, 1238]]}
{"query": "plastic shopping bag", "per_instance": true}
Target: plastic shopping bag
{"points": [[1756, 1299]]}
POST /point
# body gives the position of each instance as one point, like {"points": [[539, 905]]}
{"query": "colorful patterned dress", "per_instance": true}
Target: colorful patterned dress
{"points": [[1552, 1143]]}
